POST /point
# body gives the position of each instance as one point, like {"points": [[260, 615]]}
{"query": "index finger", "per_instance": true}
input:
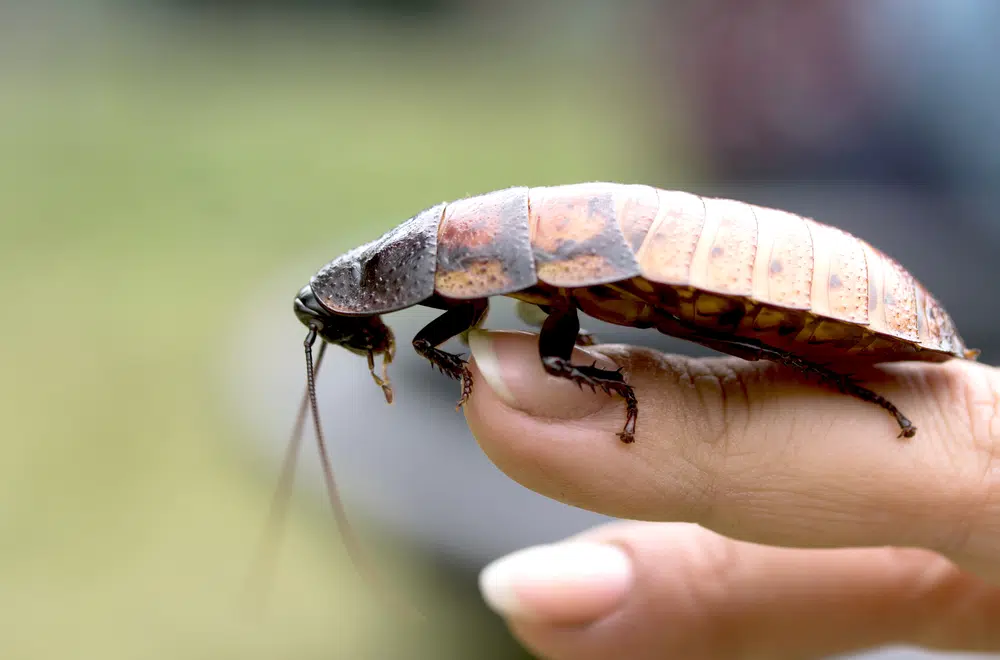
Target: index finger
{"points": [[752, 450]]}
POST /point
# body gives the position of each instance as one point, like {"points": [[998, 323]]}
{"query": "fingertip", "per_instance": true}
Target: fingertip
{"points": [[555, 438], [573, 583]]}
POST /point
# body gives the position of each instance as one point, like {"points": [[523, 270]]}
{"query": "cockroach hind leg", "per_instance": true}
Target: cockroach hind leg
{"points": [[843, 382]]}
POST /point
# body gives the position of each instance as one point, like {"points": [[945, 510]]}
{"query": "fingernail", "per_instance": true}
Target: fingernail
{"points": [[481, 347], [572, 583], [510, 364]]}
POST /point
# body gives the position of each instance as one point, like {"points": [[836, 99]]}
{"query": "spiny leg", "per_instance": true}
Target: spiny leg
{"points": [[452, 323], [555, 346], [383, 380], [751, 350], [848, 385], [535, 316]]}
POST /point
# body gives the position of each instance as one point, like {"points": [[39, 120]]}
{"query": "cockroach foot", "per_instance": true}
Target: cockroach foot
{"points": [[611, 381]]}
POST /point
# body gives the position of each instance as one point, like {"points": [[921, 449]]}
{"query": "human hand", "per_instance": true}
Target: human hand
{"points": [[817, 530]]}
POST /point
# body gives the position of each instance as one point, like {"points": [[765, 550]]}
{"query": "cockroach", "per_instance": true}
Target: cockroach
{"points": [[753, 282]]}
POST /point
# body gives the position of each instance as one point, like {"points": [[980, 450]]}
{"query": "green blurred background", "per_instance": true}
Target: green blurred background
{"points": [[157, 168], [162, 161]]}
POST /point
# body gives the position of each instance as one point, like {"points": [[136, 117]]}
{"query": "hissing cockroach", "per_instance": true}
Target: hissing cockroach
{"points": [[753, 282]]}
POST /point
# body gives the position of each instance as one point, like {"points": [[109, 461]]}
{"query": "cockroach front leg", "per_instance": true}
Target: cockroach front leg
{"points": [[452, 323], [555, 346], [383, 380]]}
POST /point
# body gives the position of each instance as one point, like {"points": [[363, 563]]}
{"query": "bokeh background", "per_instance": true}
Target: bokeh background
{"points": [[173, 171]]}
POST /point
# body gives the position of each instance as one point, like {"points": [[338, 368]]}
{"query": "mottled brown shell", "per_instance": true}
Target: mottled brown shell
{"points": [[636, 255]]}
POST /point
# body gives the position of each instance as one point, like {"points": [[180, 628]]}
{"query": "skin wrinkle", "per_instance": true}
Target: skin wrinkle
{"points": [[982, 397], [717, 373], [754, 510], [933, 595], [947, 390], [704, 567], [725, 439], [991, 505], [981, 394], [967, 490], [712, 470], [953, 608], [712, 384], [734, 408], [824, 505], [710, 393], [630, 359], [706, 463], [709, 575], [803, 469], [752, 378], [958, 492], [698, 493]]}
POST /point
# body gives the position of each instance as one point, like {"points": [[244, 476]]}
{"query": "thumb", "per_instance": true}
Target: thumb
{"points": [[753, 451], [560, 439]]}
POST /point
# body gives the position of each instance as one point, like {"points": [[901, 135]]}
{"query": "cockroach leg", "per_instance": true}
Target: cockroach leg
{"points": [[464, 335], [555, 346], [452, 323], [534, 315], [749, 349], [383, 380], [849, 385]]}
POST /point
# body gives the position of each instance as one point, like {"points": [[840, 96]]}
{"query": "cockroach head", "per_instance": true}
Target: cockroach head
{"points": [[360, 334]]}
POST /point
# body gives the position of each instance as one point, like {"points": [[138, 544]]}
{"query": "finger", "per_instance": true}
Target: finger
{"points": [[675, 590], [753, 450], [648, 590]]}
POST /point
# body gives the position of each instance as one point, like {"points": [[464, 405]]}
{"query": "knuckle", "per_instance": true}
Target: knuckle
{"points": [[969, 404], [976, 392], [721, 401], [982, 394], [708, 568]]}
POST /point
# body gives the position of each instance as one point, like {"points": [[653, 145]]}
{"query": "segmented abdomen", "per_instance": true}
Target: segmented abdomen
{"points": [[759, 270]]}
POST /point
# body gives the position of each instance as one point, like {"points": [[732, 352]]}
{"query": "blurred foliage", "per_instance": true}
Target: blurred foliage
{"points": [[151, 181]]}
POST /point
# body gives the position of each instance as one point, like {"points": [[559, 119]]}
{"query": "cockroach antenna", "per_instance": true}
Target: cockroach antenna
{"points": [[266, 558], [262, 572]]}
